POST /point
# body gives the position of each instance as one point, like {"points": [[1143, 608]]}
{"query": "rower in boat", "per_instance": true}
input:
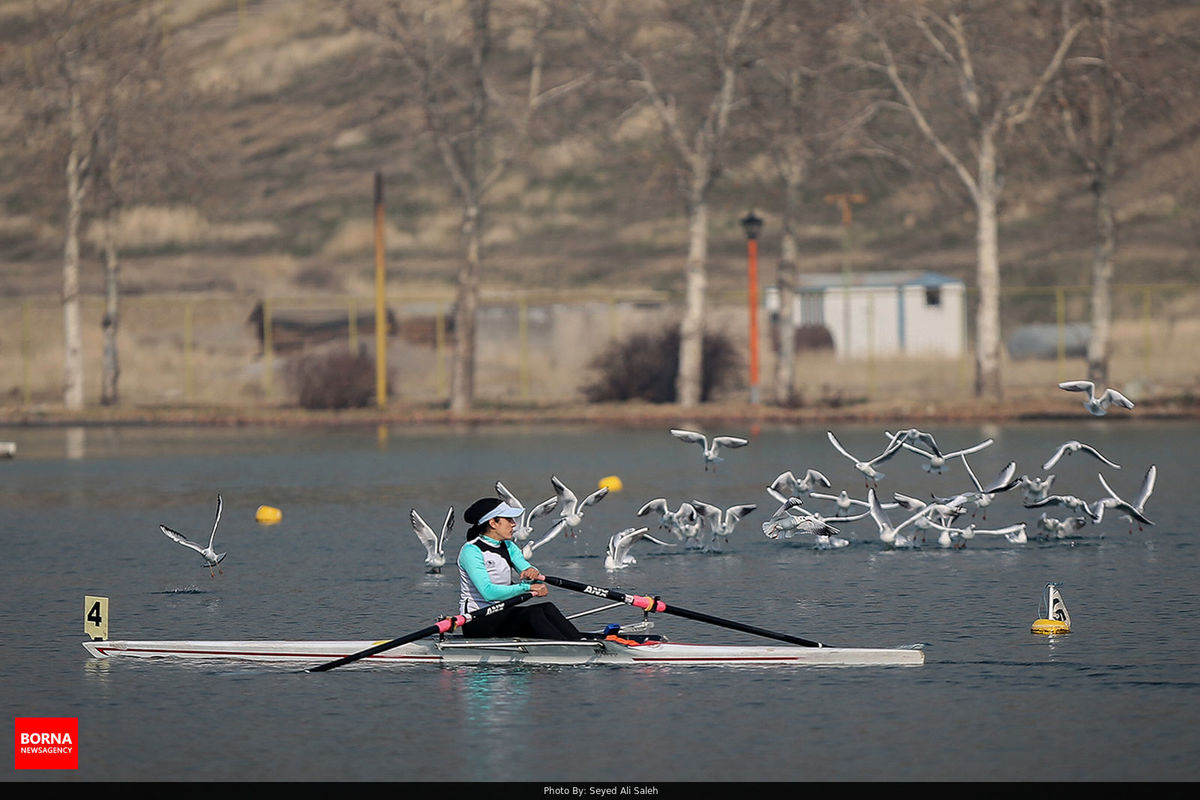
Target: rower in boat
{"points": [[486, 567]]}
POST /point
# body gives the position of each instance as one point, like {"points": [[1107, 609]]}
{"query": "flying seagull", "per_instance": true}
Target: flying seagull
{"points": [[1097, 404], [1071, 447], [435, 552], [711, 448], [617, 554], [867, 467], [211, 557]]}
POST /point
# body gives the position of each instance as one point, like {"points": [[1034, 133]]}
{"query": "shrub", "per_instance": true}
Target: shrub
{"points": [[333, 379], [644, 366]]}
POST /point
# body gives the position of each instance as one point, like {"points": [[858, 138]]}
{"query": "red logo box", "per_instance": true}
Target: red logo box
{"points": [[46, 742]]}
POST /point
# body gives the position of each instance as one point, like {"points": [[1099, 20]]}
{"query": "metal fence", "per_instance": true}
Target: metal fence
{"points": [[224, 350]]}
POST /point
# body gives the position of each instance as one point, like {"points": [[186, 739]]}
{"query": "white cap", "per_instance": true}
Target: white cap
{"points": [[502, 510]]}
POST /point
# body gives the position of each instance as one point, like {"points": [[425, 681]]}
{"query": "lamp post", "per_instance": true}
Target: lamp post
{"points": [[752, 224]]}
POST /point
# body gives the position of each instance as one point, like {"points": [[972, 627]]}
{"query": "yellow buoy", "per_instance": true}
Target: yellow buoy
{"points": [[268, 515], [612, 483], [1050, 626]]}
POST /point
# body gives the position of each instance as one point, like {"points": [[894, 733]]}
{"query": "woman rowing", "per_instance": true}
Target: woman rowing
{"points": [[486, 566]]}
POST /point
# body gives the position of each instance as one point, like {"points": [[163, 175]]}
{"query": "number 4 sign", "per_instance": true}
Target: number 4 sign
{"points": [[95, 617]]}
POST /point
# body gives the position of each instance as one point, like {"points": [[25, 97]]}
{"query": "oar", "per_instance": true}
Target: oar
{"points": [[441, 626], [654, 604]]}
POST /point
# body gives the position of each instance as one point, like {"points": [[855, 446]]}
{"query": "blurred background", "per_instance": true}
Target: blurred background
{"points": [[531, 202]]}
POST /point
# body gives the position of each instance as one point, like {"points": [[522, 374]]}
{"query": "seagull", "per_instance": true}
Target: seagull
{"points": [[710, 448], [721, 524], [435, 552], [982, 497], [1060, 528], [569, 506], [936, 459], [1071, 447], [1097, 405], [890, 534], [788, 485], [845, 502], [1094, 511], [547, 537], [1034, 489], [674, 521], [867, 468], [791, 519], [1135, 510], [617, 555], [524, 526], [211, 557], [1013, 533], [945, 511]]}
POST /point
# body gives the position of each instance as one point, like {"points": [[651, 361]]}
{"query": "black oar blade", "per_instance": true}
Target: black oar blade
{"points": [[441, 626], [654, 604]]}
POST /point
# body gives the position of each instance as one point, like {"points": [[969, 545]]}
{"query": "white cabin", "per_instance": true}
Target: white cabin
{"points": [[880, 314]]}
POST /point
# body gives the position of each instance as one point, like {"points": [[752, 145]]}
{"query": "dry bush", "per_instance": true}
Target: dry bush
{"points": [[644, 366], [333, 379]]}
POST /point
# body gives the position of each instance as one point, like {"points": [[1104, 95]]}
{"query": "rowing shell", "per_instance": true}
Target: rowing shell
{"points": [[454, 650]]}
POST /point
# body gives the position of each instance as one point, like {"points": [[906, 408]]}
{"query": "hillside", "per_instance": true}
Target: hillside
{"points": [[294, 120]]}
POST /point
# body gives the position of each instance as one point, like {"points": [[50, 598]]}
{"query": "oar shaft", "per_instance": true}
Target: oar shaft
{"points": [[439, 627], [654, 604]]}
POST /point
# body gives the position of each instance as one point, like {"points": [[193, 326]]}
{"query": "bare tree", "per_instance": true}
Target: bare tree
{"points": [[969, 75], [449, 51], [811, 116], [685, 60], [1102, 89]]}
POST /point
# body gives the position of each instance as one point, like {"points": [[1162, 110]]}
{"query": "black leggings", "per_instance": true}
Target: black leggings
{"points": [[539, 621]]}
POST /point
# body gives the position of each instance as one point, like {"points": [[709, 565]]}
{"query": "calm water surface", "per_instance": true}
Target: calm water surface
{"points": [[1116, 699]]}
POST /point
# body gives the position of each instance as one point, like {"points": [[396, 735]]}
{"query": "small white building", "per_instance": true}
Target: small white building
{"points": [[882, 314]]}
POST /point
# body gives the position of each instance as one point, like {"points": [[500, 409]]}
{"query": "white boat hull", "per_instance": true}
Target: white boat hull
{"points": [[454, 650]]}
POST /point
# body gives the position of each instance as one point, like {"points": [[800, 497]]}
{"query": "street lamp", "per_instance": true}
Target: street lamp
{"points": [[752, 224]]}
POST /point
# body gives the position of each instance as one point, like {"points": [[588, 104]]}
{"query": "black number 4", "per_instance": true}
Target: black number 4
{"points": [[93, 615]]}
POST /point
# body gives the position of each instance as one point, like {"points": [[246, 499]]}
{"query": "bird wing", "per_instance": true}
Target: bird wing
{"points": [[1147, 487], [213, 536], [730, 441], [542, 509], [814, 475], [690, 436], [566, 498], [1087, 448], [735, 513], [554, 531], [972, 449], [1059, 453], [710, 513], [785, 483], [658, 505], [594, 497], [179, 537], [447, 527], [507, 496], [877, 512], [1078, 386], [1005, 480], [838, 445], [424, 532], [1116, 398]]}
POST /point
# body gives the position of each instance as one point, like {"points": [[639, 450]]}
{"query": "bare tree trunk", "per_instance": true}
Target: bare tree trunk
{"points": [[462, 380], [691, 329], [109, 325], [1100, 343], [786, 280], [987, 319], [76, 188]]}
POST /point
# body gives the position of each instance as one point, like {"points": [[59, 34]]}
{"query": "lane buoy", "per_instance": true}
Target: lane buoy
{"points": [[1055, 617], [268, 515], [611, 482]]}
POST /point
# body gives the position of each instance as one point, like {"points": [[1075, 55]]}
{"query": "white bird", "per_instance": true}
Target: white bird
{"points": [[673, 521], [944, 511], [1016, 534], [1034, 489], [792, 519], [983, 496], [788, 485], [1070, 448], [569, 506], [530, 546], [867, 467], [712, 448], [845, 502], [891, 534], [935, 458], [435, 543], [211, 557], [1134, 510], [1097, 405], [1060, 528], [1094, 511], [721, 523], [524, 526], [617, 554]]}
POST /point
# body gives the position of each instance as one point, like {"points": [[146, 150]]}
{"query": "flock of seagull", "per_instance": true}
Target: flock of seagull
{"points": [[699, 525]]}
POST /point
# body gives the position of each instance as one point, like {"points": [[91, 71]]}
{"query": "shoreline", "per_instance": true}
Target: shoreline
{"points": [[632, 414]]}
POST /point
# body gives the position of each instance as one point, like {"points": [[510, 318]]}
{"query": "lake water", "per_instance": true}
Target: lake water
{"points": [[1116, 699]]}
